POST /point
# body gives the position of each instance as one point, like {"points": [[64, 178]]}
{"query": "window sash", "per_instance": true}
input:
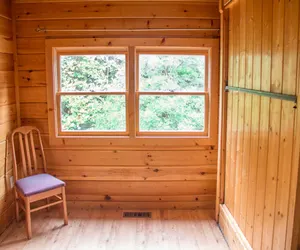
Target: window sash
{"points": [[134, 97], [59, 93], [86, 132], [205, 92], [171, 51], [172, 133]]}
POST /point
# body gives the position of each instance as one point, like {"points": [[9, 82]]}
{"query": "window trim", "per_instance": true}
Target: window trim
{"points": [[211, 45]]}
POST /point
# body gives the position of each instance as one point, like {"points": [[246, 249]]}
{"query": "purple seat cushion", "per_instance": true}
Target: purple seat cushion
{"points": [[39, 183]]}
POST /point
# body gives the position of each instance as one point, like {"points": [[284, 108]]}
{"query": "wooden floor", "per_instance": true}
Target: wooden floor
{"points": [[105, 229]]}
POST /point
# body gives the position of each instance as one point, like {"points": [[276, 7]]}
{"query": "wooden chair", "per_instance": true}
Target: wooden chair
{"points": [[35, 184]]}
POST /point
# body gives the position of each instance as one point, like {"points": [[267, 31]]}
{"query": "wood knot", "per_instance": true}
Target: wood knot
{"points": [[107, 198]]}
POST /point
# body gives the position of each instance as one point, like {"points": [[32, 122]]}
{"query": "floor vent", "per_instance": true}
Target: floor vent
{"points": [[137, 214]]}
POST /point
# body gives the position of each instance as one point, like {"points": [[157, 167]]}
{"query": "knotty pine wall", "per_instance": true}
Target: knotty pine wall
{"points": [[262, 133], [7, 113], [143, 174]]}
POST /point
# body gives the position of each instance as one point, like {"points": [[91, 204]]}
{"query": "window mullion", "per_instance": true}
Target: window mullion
{"points": [[132, 112]]}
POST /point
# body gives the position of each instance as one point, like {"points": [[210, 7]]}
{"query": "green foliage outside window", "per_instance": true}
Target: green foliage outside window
{"points": [[168, 73]]}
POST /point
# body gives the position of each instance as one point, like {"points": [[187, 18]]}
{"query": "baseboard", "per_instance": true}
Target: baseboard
{"points": [[142, 205], [232, 233]]}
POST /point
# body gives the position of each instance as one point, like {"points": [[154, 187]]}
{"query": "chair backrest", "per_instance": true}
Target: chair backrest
{"points": [[29, 163]]}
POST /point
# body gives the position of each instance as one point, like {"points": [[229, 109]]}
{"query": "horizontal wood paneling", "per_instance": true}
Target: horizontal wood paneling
{"points": [[262, 152], [5, 28], [7, 126], [152, 198], [130, 168], [5, 10], [33, 110], [32, 78], [6, 62], [28, 28], [6, 79], [7, 216], [7, 114], [130, 158], [7, 96], [31, 46], [31, 62], [98, 10], [145, 188], [33, 94], [6, 200], [105, 173], [145, 205], [6, 45]]}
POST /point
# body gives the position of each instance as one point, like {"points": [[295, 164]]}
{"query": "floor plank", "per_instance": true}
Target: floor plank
{"points": [[92, 228]]}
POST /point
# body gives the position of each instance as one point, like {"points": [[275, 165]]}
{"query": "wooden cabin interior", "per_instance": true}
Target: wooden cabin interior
{"points": [[225, 176]]}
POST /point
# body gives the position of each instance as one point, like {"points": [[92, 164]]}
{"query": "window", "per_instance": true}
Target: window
{"points": [[132, 88], [91, 93], [172, 92]]}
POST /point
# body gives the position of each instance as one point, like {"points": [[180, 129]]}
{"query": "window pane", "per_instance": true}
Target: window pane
{"points": [[93, 73], [93, 113], [172, 113], [172, 72]]}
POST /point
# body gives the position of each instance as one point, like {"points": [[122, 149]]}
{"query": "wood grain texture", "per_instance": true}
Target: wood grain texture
{"points": [[261, 146], [7, 114], [233, 234], [28, 28], [5, 28], [141, 166], [94, 228], [98, 10], [5, 10]]}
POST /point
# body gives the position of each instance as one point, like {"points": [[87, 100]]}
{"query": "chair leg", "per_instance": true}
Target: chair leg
{"points": [[65, 205], [28, 218]]}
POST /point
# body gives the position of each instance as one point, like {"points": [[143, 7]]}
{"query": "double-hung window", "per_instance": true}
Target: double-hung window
{"points": [[91, 93], [172, 91], [132, 91]]}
